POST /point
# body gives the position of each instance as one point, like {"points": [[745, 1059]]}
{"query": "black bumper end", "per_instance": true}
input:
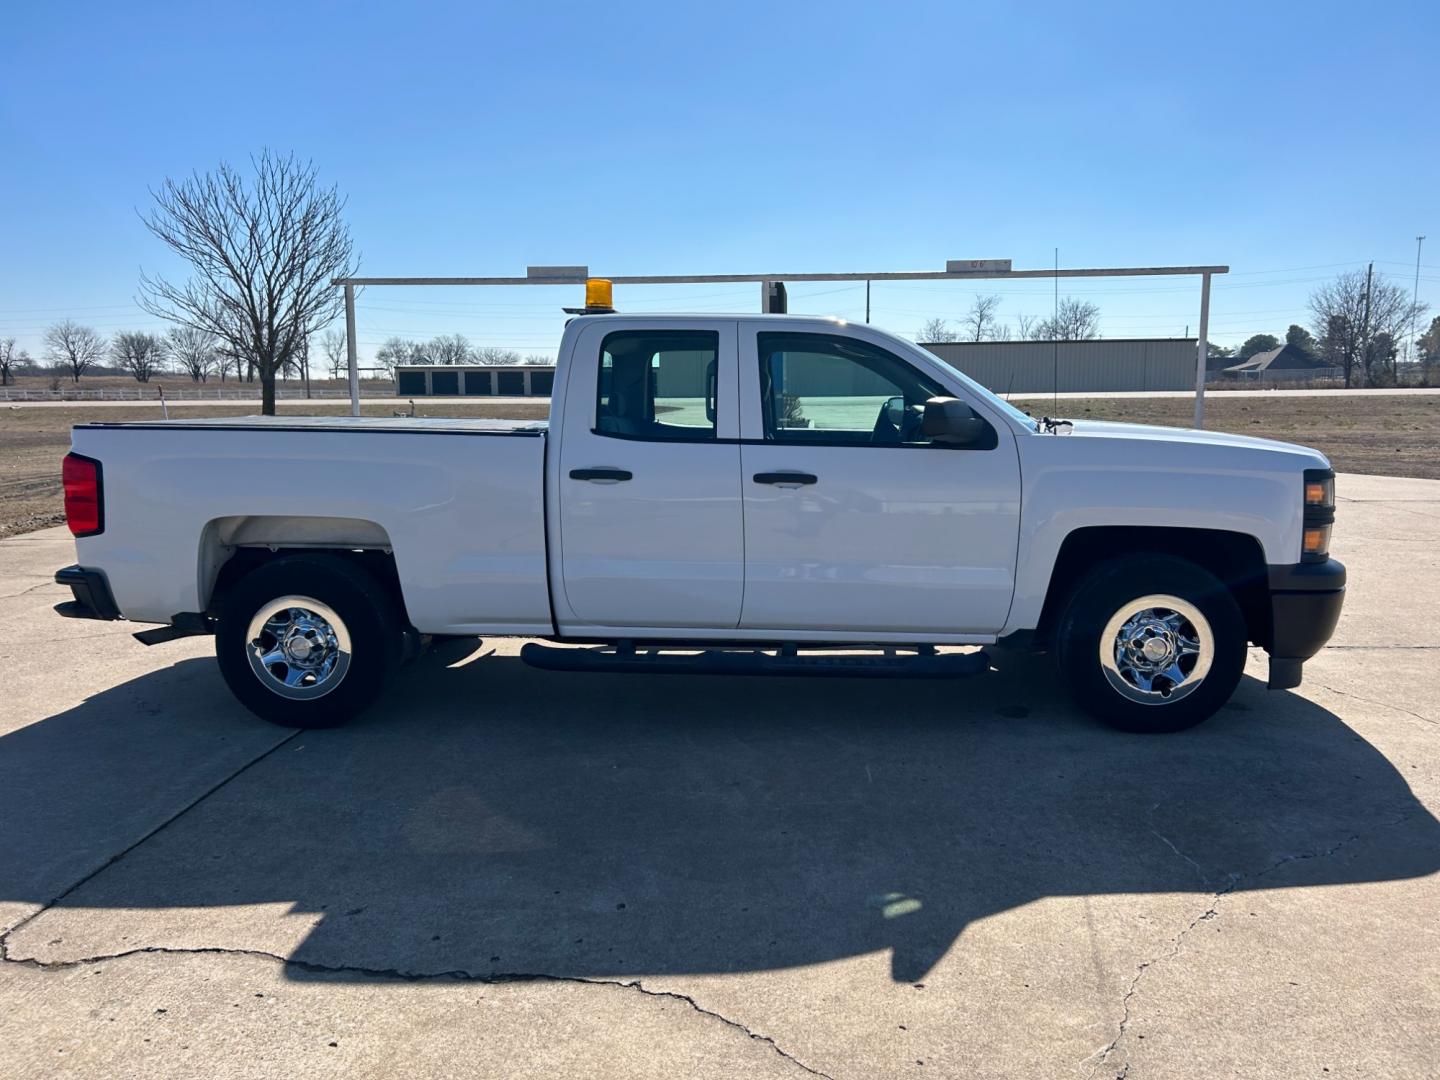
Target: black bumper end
{"points": [[91, 592], [1305, 603]]}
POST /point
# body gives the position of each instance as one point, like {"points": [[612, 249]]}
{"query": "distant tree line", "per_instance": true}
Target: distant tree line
{"points": [[1072, 320], [1358, 323], [73, 350], [447, 349]]}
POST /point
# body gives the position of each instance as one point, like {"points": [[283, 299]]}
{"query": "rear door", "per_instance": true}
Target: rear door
{"points": [[854, 521], [649, 478]]}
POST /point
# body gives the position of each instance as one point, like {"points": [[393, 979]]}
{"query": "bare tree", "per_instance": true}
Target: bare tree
{"points": [[980, 321], [491, 354], [937, 330], [263, 251], [1026, 324], [449, 349], [73, 348], [337, 353], [138, 353], [9, 359], [1074, 320], [1355, 315], [538, 358], [228, 361], [193, 352], [397, 350]]}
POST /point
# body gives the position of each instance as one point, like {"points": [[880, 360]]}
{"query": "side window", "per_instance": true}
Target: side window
{"points": [[657, 384], [819, 388]]}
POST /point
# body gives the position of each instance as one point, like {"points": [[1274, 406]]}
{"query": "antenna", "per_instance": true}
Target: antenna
{"points": [[1055, 342]]}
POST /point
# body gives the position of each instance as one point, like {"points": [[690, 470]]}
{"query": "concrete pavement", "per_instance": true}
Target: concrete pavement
{"points": [[499, 872]]}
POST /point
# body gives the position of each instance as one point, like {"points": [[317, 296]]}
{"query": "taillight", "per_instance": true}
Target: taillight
{"points": [[84, 506]]}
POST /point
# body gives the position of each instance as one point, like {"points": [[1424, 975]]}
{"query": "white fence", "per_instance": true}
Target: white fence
{"points": [[138, 392]]}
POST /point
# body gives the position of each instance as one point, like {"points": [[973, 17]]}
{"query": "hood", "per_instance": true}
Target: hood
{"points": [[1104, 429]]}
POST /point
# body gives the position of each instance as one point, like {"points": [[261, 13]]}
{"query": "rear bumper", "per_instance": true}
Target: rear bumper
{"points": [[1305, 603], [91, 591]]}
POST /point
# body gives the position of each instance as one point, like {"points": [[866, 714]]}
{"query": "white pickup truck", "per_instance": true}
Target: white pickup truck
{"points": [[768, 494]]}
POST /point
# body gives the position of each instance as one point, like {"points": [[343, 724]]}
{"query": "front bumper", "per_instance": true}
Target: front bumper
{"points": [[91, 591], [1305, 602]]}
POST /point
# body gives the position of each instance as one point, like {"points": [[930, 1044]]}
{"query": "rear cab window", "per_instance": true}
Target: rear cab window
{"points": [[657, 385]]}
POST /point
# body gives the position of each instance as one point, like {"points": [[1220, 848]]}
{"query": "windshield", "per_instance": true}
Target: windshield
{"points": [[994, 399]]}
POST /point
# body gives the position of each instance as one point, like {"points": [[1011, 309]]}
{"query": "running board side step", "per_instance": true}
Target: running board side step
{"points": [[926, 665]]}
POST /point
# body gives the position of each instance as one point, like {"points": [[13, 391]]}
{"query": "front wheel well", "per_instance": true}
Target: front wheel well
{"points": [[1235, 558]]}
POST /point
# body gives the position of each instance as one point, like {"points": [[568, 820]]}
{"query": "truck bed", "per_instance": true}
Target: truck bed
{"points": [[460, 503]]}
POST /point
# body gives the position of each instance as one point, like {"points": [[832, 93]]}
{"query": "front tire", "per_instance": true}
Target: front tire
{"points": [[307, 641], [1151, 643]]}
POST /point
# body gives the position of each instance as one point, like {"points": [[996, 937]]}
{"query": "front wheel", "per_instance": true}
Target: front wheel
{"points": [[1151, 643], [307, 641]]}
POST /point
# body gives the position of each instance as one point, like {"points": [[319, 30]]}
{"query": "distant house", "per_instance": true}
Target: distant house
{"points": [[1286, 362]]}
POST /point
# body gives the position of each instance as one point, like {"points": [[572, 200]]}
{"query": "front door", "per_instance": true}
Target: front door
{"points": [[853, 519], [649, 479]]}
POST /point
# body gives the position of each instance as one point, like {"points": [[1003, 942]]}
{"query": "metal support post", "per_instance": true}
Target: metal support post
{"points": [[1202, 349], [351, 358]]}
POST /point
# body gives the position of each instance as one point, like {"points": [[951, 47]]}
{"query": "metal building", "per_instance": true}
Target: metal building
{"points": [[472, 380], [1015, 367], [1101, 366]]}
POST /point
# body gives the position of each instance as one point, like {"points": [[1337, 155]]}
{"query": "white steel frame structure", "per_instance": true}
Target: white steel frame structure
{"points": [[578, 275]]}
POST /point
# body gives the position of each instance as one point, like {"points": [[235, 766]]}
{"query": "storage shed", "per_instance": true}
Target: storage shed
{"points": [[474, 380]]}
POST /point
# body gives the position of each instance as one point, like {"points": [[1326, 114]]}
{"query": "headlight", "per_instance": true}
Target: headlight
{"points": [[1319, 515]]}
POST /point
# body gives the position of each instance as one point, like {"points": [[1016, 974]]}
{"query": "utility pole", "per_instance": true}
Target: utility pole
{"points": [[867, 288], [1365, 325], [1414, 299]]}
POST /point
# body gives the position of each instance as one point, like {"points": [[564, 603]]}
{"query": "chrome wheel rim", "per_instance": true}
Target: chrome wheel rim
{"points": [[298, 647], [1157, 650]]}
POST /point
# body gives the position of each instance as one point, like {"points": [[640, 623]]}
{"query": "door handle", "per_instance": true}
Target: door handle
{"points": [[602, 476], [786, 479]]}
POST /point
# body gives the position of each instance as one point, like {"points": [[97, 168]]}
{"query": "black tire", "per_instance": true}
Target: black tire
{"points": [[365, 614], [1104, 594]]}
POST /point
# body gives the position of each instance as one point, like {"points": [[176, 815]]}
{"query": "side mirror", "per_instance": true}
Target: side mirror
{"points": [[950, 422], [895, 412]]}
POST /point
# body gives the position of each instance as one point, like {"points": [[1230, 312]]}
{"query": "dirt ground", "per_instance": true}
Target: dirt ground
{"points": [[1395, 436]]}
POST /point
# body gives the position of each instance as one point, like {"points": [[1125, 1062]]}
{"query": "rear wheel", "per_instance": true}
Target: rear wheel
{"points": [[307, 641], [1151, 643]]}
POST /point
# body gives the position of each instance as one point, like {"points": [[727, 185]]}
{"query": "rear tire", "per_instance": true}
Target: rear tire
{"points": [[1151, 643], [307, 641]]}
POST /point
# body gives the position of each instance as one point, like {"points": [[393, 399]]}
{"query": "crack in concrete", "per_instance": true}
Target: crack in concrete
{"points": [[46, 584], [1381, 704], [113, 859], [1379, 648], [311, 966], [1211, 911], [453, 975], [1204, 878]]}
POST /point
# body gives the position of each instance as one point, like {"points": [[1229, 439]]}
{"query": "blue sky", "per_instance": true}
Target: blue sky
{"points": [[1290, 141]]}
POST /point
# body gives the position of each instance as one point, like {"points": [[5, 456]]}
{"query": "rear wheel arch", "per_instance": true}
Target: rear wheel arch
{"points": [[231, 548]]}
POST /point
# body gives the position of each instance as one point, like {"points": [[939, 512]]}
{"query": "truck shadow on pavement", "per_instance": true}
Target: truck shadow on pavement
{"points": [[493, 820]]}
